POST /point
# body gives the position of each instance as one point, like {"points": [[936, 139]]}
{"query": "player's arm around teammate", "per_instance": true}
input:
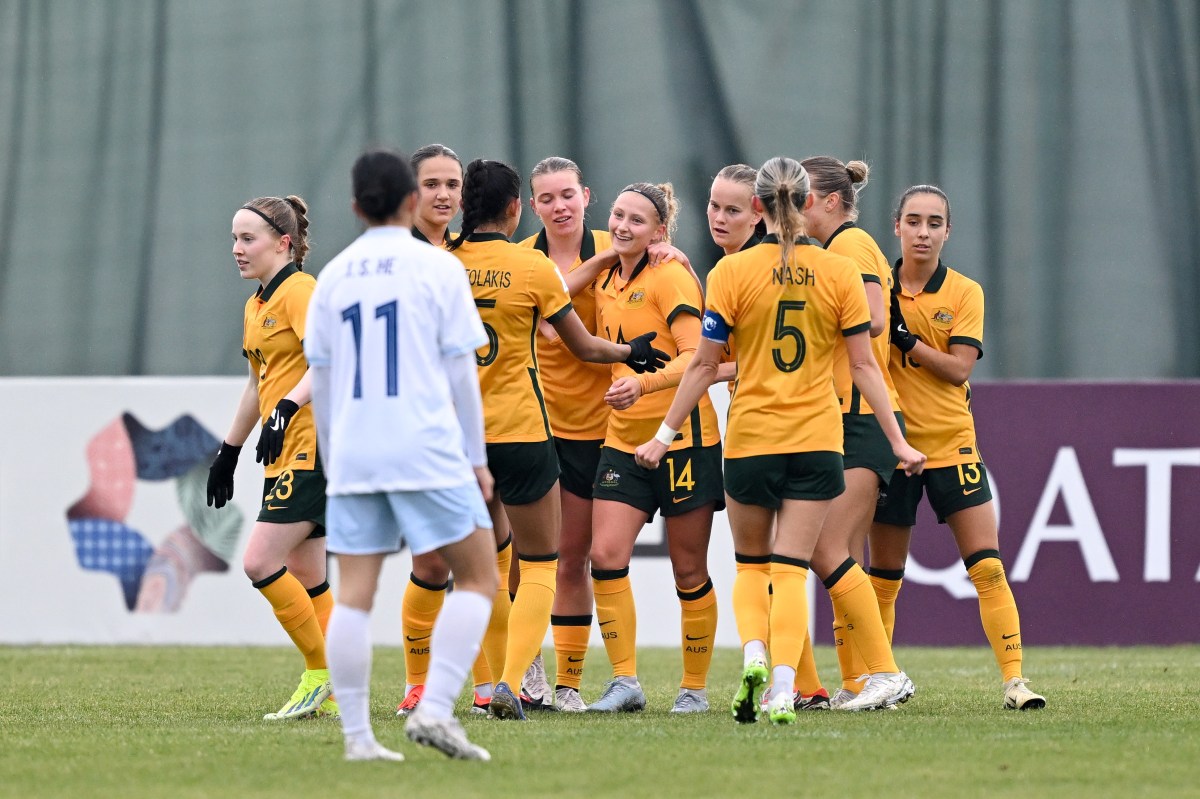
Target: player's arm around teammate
{"points": [[937, 333], [391, 347], [787, 302], [634, 300], [285, 556], [862, 642], [514, 287], [574, 393]]}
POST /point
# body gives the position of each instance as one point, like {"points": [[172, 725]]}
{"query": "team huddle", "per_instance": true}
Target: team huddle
{"points": [[515, 412]]}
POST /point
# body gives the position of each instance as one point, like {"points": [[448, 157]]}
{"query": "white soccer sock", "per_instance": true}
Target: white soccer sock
{"points": [[754, 649], [348, 651], [783, 676], [453, 649]]}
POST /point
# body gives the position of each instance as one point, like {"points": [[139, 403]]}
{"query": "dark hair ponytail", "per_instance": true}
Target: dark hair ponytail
{"points": [[381, 180], [488, 188]]}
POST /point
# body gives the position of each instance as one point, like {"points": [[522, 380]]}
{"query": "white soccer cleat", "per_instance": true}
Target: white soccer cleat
{"points": [[444, 735], [1017, 696], [360, 750], [568, 700], [840, 698], [882, 690], [691, 700], [621, 695], [534, 684]]}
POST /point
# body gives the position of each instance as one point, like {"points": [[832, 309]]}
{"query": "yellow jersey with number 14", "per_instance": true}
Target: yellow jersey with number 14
{"points": [[514, 287]]}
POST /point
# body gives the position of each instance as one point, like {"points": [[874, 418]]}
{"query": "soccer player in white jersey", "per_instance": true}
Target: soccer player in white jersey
{"points": [[391, 343]]}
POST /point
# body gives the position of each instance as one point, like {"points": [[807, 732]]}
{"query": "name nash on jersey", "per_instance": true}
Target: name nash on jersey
{"points": [[792, 276]]}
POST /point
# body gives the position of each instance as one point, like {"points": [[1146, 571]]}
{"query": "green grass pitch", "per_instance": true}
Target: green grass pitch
{"points": [[185, 722]]}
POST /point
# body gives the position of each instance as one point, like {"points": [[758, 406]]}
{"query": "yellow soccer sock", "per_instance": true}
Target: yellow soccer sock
{"points": [[419, 610], [295, 613], [807, 681], [886, 583], [571, 634], [530, 615], [698, 623], [997, 610], [617, 617], [322, 600], [751, 600], [789, 609], [854, 602], [495, 640], [850, 663]]}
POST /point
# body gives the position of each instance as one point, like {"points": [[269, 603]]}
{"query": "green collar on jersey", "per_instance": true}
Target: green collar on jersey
{"points": [[935, 280], [834, 234], [587, 248], [264, 294], [771, 238]]}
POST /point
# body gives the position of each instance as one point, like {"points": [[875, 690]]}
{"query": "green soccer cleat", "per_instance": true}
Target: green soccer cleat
{"points": [[313, 690], [782, 709], [749, 694], [329, 709]]}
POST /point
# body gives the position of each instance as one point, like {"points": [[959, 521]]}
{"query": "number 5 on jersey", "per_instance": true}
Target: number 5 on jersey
{"points": [[493, 345]]}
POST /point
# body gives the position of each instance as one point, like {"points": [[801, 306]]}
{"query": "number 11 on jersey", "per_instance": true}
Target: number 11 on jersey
{"points": [[387, 312]]}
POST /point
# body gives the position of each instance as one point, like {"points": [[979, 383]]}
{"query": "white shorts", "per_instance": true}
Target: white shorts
{"points": [[371, 524]]}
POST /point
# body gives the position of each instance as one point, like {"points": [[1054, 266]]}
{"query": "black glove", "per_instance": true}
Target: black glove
{"points": [[643, 357], [900, 336], [220, 475], [270, 440]]}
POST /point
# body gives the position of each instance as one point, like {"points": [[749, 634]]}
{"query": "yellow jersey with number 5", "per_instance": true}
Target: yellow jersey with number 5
{"points": [[787, 319], [514, 287]]}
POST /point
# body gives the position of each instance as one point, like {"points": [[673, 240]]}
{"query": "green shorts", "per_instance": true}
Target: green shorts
{"points": [[524, 472], [767, 480], [578, 461], [950, 489], [296, 495], [867, 447], [685, 480]]}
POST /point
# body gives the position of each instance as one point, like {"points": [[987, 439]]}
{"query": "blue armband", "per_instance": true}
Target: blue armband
{"points": [[714, 328]]}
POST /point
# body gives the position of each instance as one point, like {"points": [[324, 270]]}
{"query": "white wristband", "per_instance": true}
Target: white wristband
{"points": [[665, 435]]}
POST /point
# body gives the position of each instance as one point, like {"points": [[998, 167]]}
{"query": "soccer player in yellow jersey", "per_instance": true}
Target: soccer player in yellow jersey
{"points": [[635, 300], [514, 288], [787, 301], [285, 556], [937, 330], [574, 393], [439, 175], [868, 461]]}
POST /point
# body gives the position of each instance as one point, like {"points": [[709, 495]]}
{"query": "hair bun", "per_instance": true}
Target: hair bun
{"points": [[858, 171]]}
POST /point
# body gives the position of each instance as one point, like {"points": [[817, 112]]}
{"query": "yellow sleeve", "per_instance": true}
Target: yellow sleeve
{"points": [[296, 305], [546, 288], [855, 314], [968, 322], [685, 329]]}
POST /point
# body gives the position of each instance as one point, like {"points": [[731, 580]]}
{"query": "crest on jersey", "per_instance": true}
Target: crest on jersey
{"points": [[637, 299], [610, 479], [270, 321], [942, 316]]}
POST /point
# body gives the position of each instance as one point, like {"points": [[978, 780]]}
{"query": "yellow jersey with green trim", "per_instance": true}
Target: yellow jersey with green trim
{"points": [[272, 340], [937, 414], [574, 388], [651, 300], [857, 245], [514, 287], [787, 319]]}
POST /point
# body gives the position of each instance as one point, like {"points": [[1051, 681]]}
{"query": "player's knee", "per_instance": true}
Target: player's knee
{"points": [[606, 556], [431, 572], [690, 574]]}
